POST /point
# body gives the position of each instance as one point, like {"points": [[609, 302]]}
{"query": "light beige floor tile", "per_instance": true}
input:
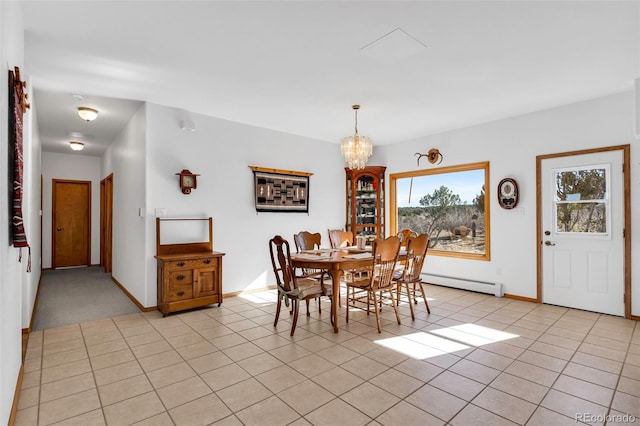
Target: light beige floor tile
{"points": [[69, 406], [182, 392], [117, 373], [472, 414], [133, 409], [305, 397], [243, 394], [370, 399], [585, 390], [225, 376], [92, 418], [603, 352], [209, 362], [32, 364], [289, 353], [62, 346], [543, 361], [62, 371], [227, 341], [364, 367], [171, 374], [475, 371], [29, 398], [30, 380], [490, 359], [270, 411], [271, 341], [196, 350], [592, 375], [61, 388], [407, 415], [569, 405], [397, 383], [162, 419], [91, 339], [626, 403], [112, 358], [420, 370], [242, 351], [337, 412], [143, 339], [202, 411], [516, 386], [187, 339], [152, 348], [280, 378], [63, 357], [458, 385], [531, 372], [160, 360], [631, 371], [437, 402], [630, 386], [124, 389], [600, 363], [546, 417], [259, 363], [515, 409], [27, 417], [311, 365], [107, 347], [338, 380]]}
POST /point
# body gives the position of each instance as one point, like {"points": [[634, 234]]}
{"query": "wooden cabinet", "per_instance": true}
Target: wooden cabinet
{"points": [[365, 202], [188, 281], [189, 274]]}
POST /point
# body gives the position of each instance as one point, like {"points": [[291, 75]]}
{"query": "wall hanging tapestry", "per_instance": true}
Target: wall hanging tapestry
{"points": [[281, 190], [17, 106]]}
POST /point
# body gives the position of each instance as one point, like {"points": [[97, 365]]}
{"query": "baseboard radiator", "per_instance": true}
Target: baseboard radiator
{"points": [[464, 284]]}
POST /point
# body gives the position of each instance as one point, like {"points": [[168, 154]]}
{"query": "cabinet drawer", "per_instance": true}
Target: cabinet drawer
{"points": [[180, 277], [179, 292], [189, 263]]}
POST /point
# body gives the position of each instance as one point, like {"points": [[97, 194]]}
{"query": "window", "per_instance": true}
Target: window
{"points": [[447, 203], [581, 201]]}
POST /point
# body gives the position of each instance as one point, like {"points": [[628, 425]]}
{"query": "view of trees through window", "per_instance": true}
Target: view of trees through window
{"points": [[581, 200], [448, 204]]}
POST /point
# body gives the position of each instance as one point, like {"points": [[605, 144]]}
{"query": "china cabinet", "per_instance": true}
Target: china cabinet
{"points": [[365, 202]]}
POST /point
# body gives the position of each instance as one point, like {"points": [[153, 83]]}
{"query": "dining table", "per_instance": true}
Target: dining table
{"points": [[335, 262]]}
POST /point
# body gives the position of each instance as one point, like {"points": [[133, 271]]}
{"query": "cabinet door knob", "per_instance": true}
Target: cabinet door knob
{"points": [[181, 263], [180, 277], [207, 261], [181, 293]]}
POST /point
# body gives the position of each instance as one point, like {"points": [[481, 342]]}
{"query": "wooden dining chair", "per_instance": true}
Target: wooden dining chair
{"points": [[410, 275], [385, 256], [405, 234], [305, 240], [339, 238], [292, 288]]}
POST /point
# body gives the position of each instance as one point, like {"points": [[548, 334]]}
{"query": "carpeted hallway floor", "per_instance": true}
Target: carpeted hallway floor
{"points": [[76, 295]]}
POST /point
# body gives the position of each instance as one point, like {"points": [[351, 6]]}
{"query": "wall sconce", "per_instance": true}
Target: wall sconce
{"points": [[187, 181], [87, 114], [76, 146]]}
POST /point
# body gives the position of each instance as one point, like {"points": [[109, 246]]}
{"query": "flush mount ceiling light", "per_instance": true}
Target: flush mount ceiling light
{"points": [[87, 114], [356, 149], [76, 146]]}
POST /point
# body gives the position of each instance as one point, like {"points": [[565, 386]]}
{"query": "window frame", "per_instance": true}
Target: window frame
{"points": [[393, 205]]}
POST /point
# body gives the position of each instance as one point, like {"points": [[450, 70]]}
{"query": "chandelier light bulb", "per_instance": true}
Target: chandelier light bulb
{"points": [[356, 149], [76, 146]]}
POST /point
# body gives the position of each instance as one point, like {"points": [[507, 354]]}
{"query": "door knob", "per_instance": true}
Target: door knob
{"points": [[549, 243], [59, 229]]}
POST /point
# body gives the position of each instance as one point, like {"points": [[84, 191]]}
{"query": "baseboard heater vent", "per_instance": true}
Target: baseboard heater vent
{"points": [[464, 284]]}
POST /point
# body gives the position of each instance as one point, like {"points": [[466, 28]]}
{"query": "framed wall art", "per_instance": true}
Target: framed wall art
{"points": [[280, 190]]}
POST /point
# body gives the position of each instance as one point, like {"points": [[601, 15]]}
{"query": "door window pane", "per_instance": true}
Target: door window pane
{"points": [[581, 200]]}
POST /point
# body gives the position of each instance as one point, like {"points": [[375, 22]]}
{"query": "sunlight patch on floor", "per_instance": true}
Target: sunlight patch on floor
{"points": [[448, 340]]}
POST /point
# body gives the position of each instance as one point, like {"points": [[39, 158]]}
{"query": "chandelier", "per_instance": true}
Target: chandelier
{"points": [[356, 149]]}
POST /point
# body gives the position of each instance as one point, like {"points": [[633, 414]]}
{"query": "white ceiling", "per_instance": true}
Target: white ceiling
{"points": [[298, 66]]}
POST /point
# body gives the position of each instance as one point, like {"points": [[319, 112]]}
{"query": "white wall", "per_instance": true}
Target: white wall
{"points": [[72, 166], [511, 146], [125, 158], [221, 152]]}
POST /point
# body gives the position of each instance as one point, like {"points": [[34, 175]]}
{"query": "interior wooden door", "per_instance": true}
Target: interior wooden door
{"points": [[106, 222], [71, 233]]}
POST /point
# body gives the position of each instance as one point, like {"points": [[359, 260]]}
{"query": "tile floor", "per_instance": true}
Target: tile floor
{"points": [[476, 359]]}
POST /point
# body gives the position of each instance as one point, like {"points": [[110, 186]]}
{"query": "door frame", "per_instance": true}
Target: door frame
{"points": [[626, 150], [106, 223], [53, 218]]}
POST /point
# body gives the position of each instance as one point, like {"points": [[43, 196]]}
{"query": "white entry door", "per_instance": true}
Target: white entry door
{"points": [[583, 226]]}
